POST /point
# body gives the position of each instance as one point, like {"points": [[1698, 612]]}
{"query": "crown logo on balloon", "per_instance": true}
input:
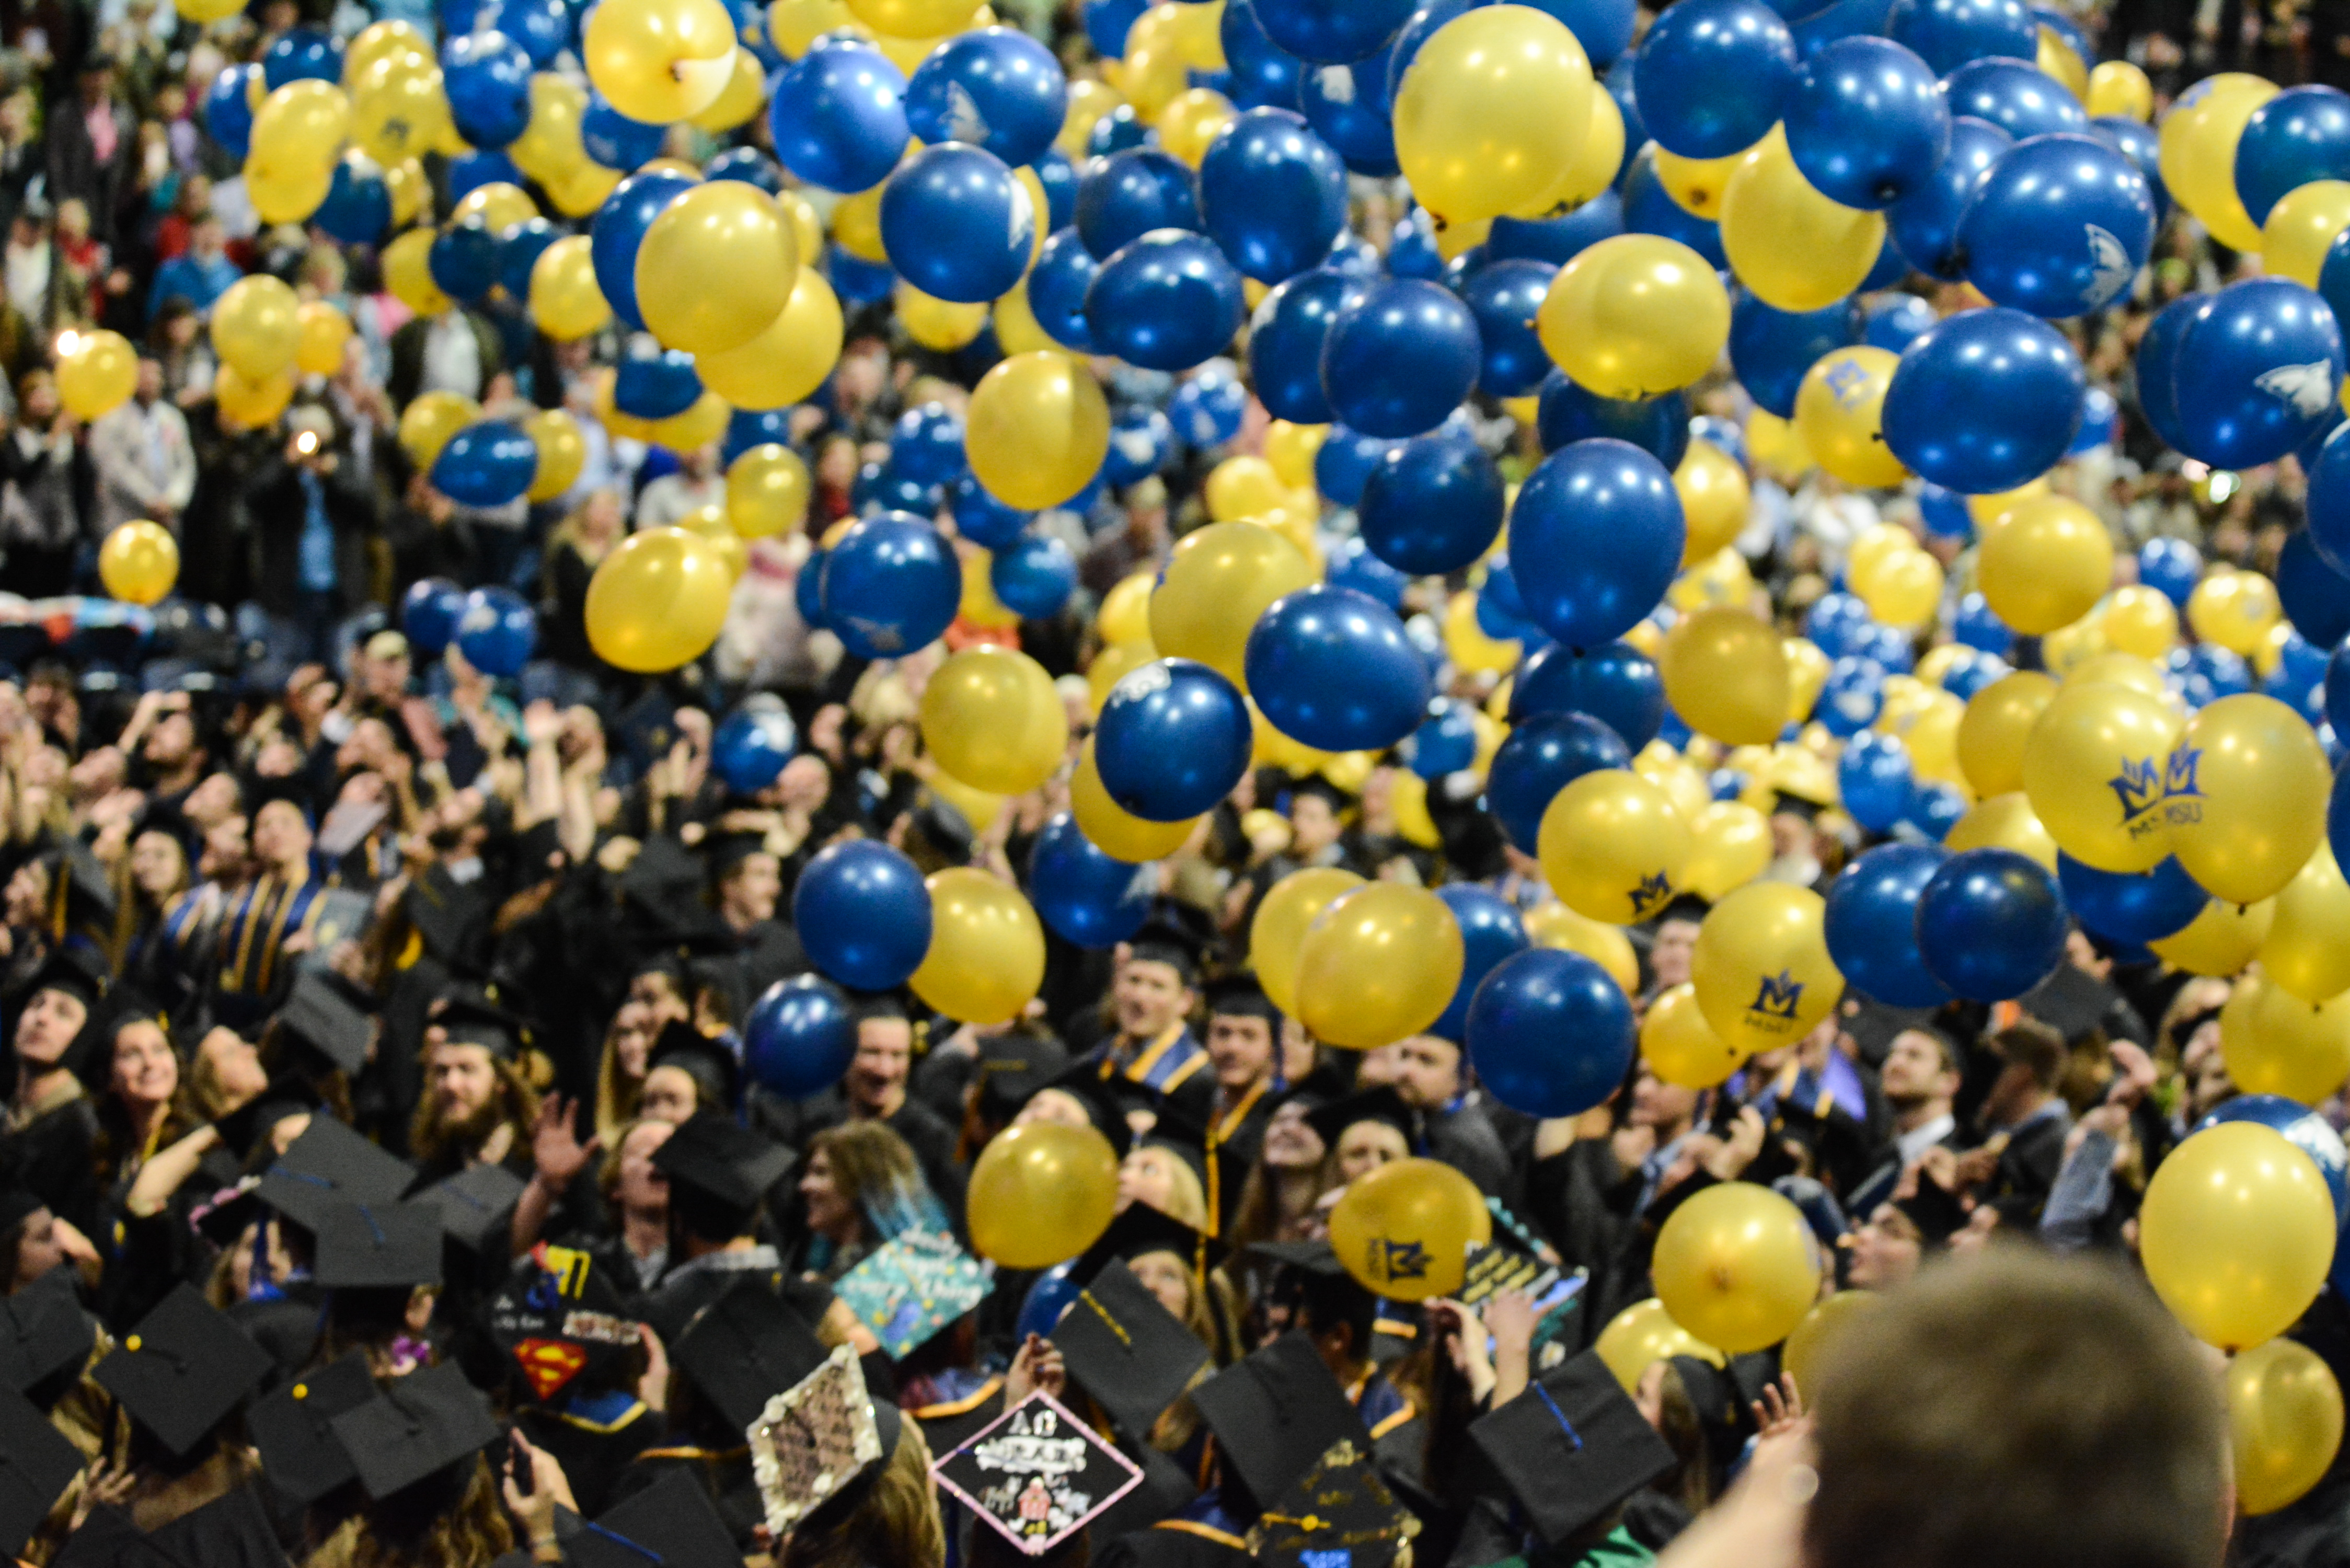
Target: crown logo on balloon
{"points": [[2139, 786], [2182, 796], [1778, 996], [1650, 894], [1403, 1259]]}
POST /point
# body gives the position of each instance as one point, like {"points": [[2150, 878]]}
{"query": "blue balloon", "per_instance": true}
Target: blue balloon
{"points": [[1085, 897], [1925, 223], [2337, 806], [1985, 400], [957, 224], [1108, 21], [1446, 740], [1852, 696], [801, 1034], [1169, 301], [1889, 268], [1569, 412], [1342, 468], [2328, 508], [653, 385], [1945, 515], [1035, 578], [1331, 32], [997, 88], [228, 108], [463, 259], [1057, 285], [1618, 84], [1872, 924], [488, 463], [981, 518], [2130, 907], [1412, 247], [1503, 296], [1991, 924], [1120, 130], [892, 585], [1433, 504], [1051, 1296], [1349, 109], [863, 915], [1614, 683], [2101, 419], [1972, 670], [1543, 754], [1946, 34], [2158, 367], [614, 140], [880, 487], [1873, 780], [1714, 76], [1273, 193], [1889, 645], [1597, 535], [1264, 74], [619, 229], [301, 55], [925, 444], [2259, 369], [1866, 124], [1286, 339], [1141, 443], [2141, 145], [1332, 669], [2016, 96], [487, 75], [541, 26], [1128, 194], [1490, 933], [2301, 134], [1550, 1032], [1721, 434], [1604, 28], [519, 249], [2058, 227], [1351, 564], [838, 115], [1207, 411], [1172, 740], [1838, 622], [751, 746], [497, 631], [2304, 1128], [358, 208], [1560, 240], [2317, 598], [1770, 350], [1399, 357], [808, 590], [428, 613], [1058, 175]]}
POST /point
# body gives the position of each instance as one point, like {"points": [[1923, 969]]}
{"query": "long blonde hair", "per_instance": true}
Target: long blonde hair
{"points": [[895, 1523]]}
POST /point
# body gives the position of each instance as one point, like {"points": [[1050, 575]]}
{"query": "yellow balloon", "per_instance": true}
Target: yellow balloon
{"points": [[383, 40], [659, 60], [2119, 669], [579, 192], [1791, 247], [1493, 113], [1017, 330], [2117, 86], [1807, 673], [549, 146], [251, 404], [1089, 100], [139, 562], [657, 601], [2094, 767], [1839, 412], [1036, 429], [986, 957], [1114, 664], [398, 109], [1292, 449], [2221, 941], [1217, 582], [2300, 227], [938, 324], [287, 194], [1643, 1335], [1730, 845], [1737, 1266], [300, 125], [566, 302], [2276, 1043], [2198, 154], [409, 191], [205, 12], [2003, 821], [1191, 121], [562, 452], [1408, 802], [1681, 1047], [255, 326], [1696, 184], [406, 274], [2142, 621], [710, 523], [1614, 847], [700, 425], [1905, 589], [1594, 169], [2244, 797], [1405, 1230], [912, 18], [2304, 953], [1774, 447], [716, 267], [1242, 487], [2046, 565], [991, 717], [499, 204], [1466, 644], [742, 96], [1725, 674], [2057, 58], [1278, 930], [1109, 827], [1634, 316], [1378, 964], [794, 25], [1125, 614], [1762, 967], [2285, 1423], [1811, 1345], [1554, 925], [2234, 609], [2236, 1234], [98, 375], [1041, 1193], [321, 332], [1714, 498], [789, 360], [767, 491], [980, 605]]}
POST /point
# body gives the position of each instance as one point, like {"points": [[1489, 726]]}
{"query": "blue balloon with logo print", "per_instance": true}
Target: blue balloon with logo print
{"points": [[1490, 933], [1550, 1032], [1543, 754], [800, 1035], [837, 115], [1084, 896], [1172, 740], [1925, 222], [1273, 193], [1614, 683], [1713, 76], [2059, 226], [996, 88], [1991, 924], [497, 631], [1433, 504], [2020, 385], [863, 915], [2259, 367], [1871, 924]]}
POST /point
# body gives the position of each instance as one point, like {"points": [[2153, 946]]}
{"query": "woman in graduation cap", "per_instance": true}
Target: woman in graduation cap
{"points": [[166, 920], [282, 903], [860, 1187]]}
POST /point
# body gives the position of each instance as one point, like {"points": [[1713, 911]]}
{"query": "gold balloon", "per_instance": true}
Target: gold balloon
{"points": [[2003, 821], [2057, 58], [139, 562], [255, 326], [1761, 968], [1217, 582], [794, 25], [1292, 449], [580, 193], [1378, 964], [1242, 487], [2285, 1423], [986, 957], [657, 601], [2276, 1043], [562, 452], [912, 18], [2117, 86], [549, 146], [741, 98], [700, 425], [937, 324], [383, 40], [1681, 1047], [1696, 184], [98, 374], [980, 605], [1807, 671], [2221, 941], [1467, 645], [1113, 830], [1876, 542], [2300, 227], [1407, 803], [767, 491], [2244, 797], [1594, 169], [2046, 565], [716, 267], [409, 278], [1730, 845], [1125, 615], [300, 125], [1643, 1335], [659, 60], [2093, 768], [1737, 1266], [710, 523], [2236, 1232], [1491, 114], [1905, 591], [1041, 1193], [1791, 247], [1725, 674], [406, 184], [1037, 430], [1714, 498], [1613, 846], [2119, 669], [1089, 100], [991, 717], [566, 302], [2142, 621], [2304, 952], [2198, 154], [1839, 412], [1554, 925], [1278, 930], [789, 358], [1405, 1230], [1810, 1347], [251, 404], [321, 332], [499, 204], [398, 107], [2234, 609], [1634, 316], [287, 193], [1114, 664], [1192, 120]]}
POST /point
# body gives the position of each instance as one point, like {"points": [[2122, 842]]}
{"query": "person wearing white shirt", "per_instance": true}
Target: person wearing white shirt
{"points": [[1920, 1078], [145, 465]]}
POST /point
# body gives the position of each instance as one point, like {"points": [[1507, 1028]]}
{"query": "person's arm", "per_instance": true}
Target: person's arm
{"points": [[2083, 1189], [167, 1170], [534, 1510], [542, 769], [559, 1156]]}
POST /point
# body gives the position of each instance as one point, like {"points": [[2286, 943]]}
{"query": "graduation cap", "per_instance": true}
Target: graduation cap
{"points": [[1011, 1066], [1312, 1273], [36, 1464], [1339, 1510], [1571, 1447], [233, 1531], [471, 1018], [730, 1166], [421, 1423], [73, 969], [2071, 1001], [911, 1286], [1323, 789], [1686, 907], [166, 818], [715, 1071], [1240, 996], [816, 1438], [1128, 1351], [318, 1015], [1038, 1474], [559, 1315], [448, 918], [292, 1427], [183, 1369], [294, 789], [744, 1349], [43, 1330], [726, 851], [110, 1538], [476, 1206], [1275, 1413], [672, 1523], [1138, 1230], [245, 1126], [330, 1161], [1083, 1084], [1936, 1211], [82, 899], [1382, 1104], [376, 1246], [1172, 935]]}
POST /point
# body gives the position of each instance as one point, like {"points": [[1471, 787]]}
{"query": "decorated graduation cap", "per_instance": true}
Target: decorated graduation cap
{"points": [[320, 1016], [744, 1349], [1275, 1413], [1571, 1448], [1126, 1350], [1038, 1474], [43, 1330], [375, 1246], [182, 1370], [559, 1316], [418, 1425], [37, 1465], [815, 1441], [292, 1427], [475, 1207], [912, 1286], [331, 1161], [720, 1171], [716, 1072], [1339, 1510]]}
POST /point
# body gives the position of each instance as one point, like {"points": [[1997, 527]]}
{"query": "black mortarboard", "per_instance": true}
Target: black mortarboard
{"points": [[473, 1018], [950, 1424], [744, 1349], [2071, 1001], [559, 1314], [1936, 1211], [1172, 937], [423, 1423], [294, 1428], [1783, 804], [110, 1538], [183, 1369], [233, 1531], [1382, 1104], [166, 818], [1323, 789], [1571, 1447], [318, 1015], [1239, 995], [1684, 906], [37, 1465], [727, 850], [245, 1126], [1139, 1230], [476, 1207], [73, 969], [712, 1067], [1038, 1474], [669, 1524], [449, 919], [376, 1246], [331, 1161], [1312, 1274], [1339, 1510], [293, 788], [43, 1330], [1275, 1413], [1011, 1066], [1084, 1083], [1132, 1354], [730, 1166], [81, 896]]}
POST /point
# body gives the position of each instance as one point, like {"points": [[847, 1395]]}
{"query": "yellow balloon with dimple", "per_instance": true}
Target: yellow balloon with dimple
{"points": [[1737, 1263], [1634, 316], [2221, 941], [1714, 500], [659, 60], [2117, 86], [1614, 847], [2199, 153], [2284, 1424], [1643, 1335], [1839, 412], [1037, 430], [1997, 725], [1696, 184], [742, 96], [1730, 845], [430, 420], [2300, 227], [1278, 930], [717, 266], [1493, 113], [767, 491], [1792, 248], [2003, 821], [2045, 565], [1111, 829], [787, 361], [1725, 673], [562, 452], [1681, 1047], [1377, 965], [2141, 620], [1762, 967], [564, 301], [409, 276], [2236, 1231], [2234, 609], [1217, 583]]}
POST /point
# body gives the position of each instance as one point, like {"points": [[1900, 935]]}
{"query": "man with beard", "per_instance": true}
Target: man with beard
{"points": [[477, 1108]]}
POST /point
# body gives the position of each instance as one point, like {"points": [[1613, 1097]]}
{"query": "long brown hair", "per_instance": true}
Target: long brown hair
{"points": [[449, 1521], [896, 1522], [514, 1102]]}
